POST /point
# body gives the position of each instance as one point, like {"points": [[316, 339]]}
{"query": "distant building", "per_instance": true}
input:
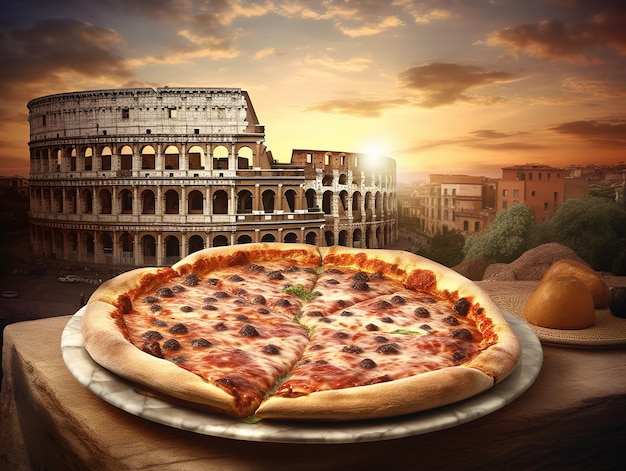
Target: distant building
{"points": [[461, 203], [542, 187], [141, 177], [15, 185]]}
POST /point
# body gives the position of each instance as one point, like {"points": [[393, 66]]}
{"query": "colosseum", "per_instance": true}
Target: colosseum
{"points": [[143, 177]]}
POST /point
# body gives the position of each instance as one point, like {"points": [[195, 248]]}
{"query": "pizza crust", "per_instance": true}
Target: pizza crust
{"points": [[393, 398]]}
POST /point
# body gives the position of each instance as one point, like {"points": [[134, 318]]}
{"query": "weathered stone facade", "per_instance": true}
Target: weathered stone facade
{"points": [[140, 177]]}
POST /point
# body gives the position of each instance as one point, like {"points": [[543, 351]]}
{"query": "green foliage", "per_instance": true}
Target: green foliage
{"points": [[509, 236], [602, 190], [446, 248], [594, 228]]}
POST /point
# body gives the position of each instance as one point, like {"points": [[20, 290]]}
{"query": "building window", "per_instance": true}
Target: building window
{"points": [[504, 205], [505, 192], [539, 176], [43, 117], [196, 131], [125, 113], [466, 226], [477, 226], [530, 175], [171, 112], [309, 158], [545, 207], [515, 193], [532, 193]]}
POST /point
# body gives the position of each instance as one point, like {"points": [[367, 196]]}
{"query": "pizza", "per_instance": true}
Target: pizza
{"points": [[299, 332]]}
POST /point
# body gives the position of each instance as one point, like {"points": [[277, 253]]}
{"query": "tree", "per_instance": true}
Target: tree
{"points": [[594, 228], [446, 248], [508, 236]]}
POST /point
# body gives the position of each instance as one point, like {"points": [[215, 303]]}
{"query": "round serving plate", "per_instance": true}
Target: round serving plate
{"points": [[120, 393]]}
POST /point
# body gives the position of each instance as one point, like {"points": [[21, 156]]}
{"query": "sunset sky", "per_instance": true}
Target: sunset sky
{"points": [[447, 86]]}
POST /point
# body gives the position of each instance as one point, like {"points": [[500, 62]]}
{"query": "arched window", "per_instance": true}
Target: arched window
{"points": [[105, 201], [220, 202], [126, 202], [195, 243], [195, 203], [268, 198], [244, 202], [171, 202], [172, 158], [220, 241], [148, 202]]}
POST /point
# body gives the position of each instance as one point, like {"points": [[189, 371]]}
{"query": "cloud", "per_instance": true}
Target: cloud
{"points": [[445, 83], [609, 132], [362, 108], [57, 53], [582, 41], [353, 64]]}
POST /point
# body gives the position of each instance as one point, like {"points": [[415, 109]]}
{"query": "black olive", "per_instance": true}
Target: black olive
{"points": [[159, 323], [387, 320], [201, 342], [165, 293], [271, 349], [360, 286], [151, 299], [451, 320], [186, 309], [380, 339], [212, 281], [315, 314], [172, 344], [342, 335], [368, 364], [275, 275], [179, 329], [463, 334], [236, 278], [263, 310], [332, 281], [242, 317], [259, 300], [353, 349], [382, 304], [191, 280], [255, 267], [152, 335], [248, 330], [220, 326], [346, 314], [221, 295], [155, 308], [371, 327], [397, 299], [421, 312], [178, 288], [462, 306], [360, 276], [389, 349], [209, 307]]}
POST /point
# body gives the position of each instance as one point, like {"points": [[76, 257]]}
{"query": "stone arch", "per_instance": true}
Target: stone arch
{"points": [[290, 238], [148, 158], [245, 157], [195, 157], [172, 157], [195, 202], [148, 202], [244, 202], [311, 199], [196, 243], [104, 198], [244, 239], [268, 197], [125, 201], [343, 238], [86, 201], [268, 238], [290, 199], [311, 238], [220, 202], [357, 237], [106, 156], [171, 244], [327, 202], [220, 241], [172, 202], [126, 157], [220, 158]]}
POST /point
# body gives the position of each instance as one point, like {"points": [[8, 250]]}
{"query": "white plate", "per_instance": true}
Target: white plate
{"points": [[120, 393]]}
